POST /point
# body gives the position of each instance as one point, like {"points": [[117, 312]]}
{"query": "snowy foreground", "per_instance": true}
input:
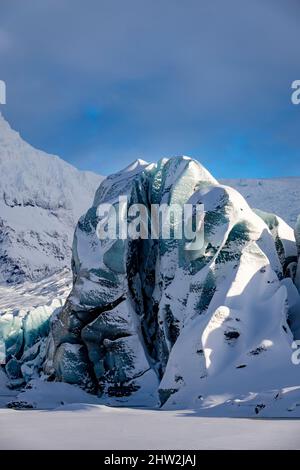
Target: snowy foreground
{"points": [[68, 418], [101, 427]]}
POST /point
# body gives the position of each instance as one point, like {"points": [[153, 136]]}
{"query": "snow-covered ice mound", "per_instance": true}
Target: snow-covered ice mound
{"points": [[149, 321]]}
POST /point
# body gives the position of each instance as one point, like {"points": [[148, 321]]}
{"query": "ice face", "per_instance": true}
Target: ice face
{"points": [[25, 315]]}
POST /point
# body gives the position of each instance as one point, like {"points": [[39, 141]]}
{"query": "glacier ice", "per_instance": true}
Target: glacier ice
{"points": [[25, 314], [149, 318]]}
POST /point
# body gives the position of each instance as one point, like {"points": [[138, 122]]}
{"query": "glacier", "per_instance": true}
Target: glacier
{"points": [[147, 322], [151, 323]]}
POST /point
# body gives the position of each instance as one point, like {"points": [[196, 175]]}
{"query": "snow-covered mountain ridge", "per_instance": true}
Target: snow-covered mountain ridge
{"points": [[280, 196], [41, 199]]}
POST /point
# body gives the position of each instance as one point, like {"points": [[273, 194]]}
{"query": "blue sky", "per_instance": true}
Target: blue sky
{"points": [[103, 82]]}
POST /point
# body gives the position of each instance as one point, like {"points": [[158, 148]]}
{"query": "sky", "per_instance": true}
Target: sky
{"points": [[103, 82]]}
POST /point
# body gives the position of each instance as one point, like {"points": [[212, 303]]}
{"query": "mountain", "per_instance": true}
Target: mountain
{"points": [[41, 199], [152, 322], [277, 195]]}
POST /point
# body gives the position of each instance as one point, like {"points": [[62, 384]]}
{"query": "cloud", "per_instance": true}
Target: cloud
{"points": [[168, 76]]}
